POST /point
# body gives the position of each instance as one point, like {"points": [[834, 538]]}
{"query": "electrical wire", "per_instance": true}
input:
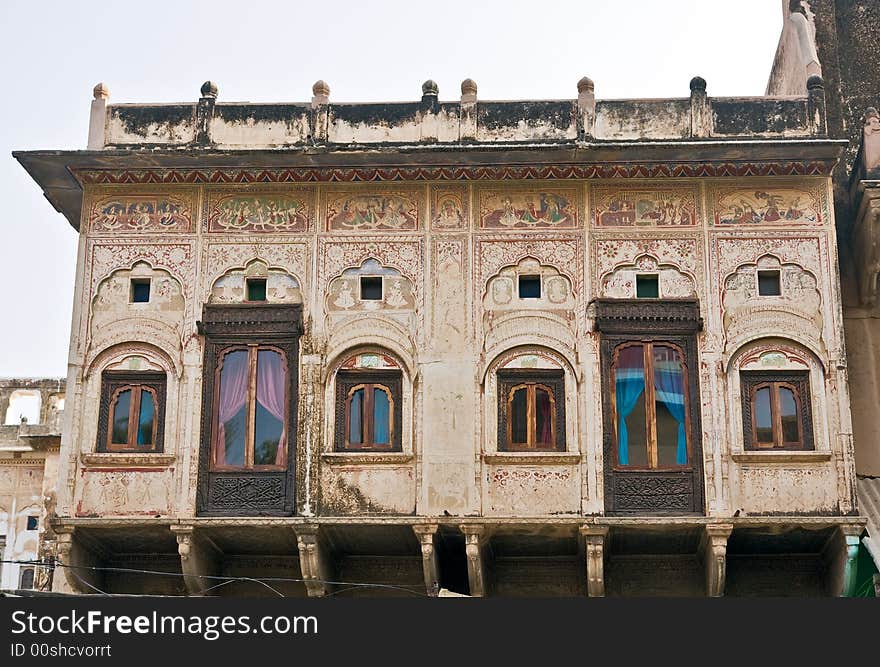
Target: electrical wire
{"points": [[224, 579]]}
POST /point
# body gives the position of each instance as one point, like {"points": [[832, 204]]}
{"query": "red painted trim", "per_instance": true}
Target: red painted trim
{"points": [[371, 174]]}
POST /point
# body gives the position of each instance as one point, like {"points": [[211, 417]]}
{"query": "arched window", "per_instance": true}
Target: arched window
{"points": [[369, 417], [26, 579], [368, 404], [650, 405], [132, 412], [531, 410], [776, 410], [250, 408]]}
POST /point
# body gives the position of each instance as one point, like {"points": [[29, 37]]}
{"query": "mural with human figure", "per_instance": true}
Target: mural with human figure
{"points": [[772, 206], [524, 208]]}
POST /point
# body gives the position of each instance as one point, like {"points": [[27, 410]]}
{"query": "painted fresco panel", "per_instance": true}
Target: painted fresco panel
{"points": [[528, 207], [645, 206], [249, 211], [143, 212], [768, 203], [449, 207], [374, 209]]}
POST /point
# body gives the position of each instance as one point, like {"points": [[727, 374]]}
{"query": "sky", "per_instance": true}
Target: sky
{"points": [[53, 52]]}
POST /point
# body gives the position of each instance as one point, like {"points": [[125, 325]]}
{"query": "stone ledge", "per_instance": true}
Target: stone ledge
{"points": [[126, 459], [532, 458], [781, 457], [367, 458]]}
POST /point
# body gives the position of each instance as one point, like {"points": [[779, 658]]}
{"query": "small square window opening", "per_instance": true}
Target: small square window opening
{"points": [[32, 523], [530, 287], [371, 288], [140, 290], [648, 286], [256, 289], [768, 283]]}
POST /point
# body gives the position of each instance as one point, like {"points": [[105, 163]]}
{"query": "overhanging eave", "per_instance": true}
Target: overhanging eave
{"points": [[59, 172]]}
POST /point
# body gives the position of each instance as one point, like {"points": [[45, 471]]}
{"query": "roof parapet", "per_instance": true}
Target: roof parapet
{"points": [[210, 124]]}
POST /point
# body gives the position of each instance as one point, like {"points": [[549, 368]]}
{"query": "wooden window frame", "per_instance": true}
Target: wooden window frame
{"points": [[799, 383], [247, 289], [651, 405], [347, 382], [655, 277], [509, 380], [251, 404], [114, 383]]}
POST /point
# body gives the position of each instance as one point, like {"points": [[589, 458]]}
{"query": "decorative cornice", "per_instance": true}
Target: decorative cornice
{"points": [[372, 458], [448, 173], [34, 463], [532, 458], [277, 320], [112, 459], [781, 457], [637, 315]]}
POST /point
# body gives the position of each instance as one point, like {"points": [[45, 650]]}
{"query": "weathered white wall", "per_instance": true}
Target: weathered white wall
{"points": [[451, 245]]}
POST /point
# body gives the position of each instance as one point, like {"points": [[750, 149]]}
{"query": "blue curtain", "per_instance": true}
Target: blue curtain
{"points": [[354, 417], [669, 382], [381, 411], [629, 383]]}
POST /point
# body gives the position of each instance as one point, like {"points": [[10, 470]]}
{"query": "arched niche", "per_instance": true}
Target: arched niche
{"points": [[672, 282], [120, 316], [370, 287], [114, 296], [770, 283], [232, 286], [545, 285]]}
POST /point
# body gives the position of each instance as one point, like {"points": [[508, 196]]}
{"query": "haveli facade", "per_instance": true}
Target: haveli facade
{"points": [[569, 347]]}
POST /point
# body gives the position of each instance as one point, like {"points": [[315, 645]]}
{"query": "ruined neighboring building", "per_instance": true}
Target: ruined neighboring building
{"points": [[30, 437], [566, 347]]}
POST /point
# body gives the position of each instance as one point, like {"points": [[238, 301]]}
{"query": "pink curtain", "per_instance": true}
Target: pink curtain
{"points": [[271, 382], [233, 394]]}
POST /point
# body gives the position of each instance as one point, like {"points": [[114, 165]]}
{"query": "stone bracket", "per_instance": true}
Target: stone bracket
{"points": [[427, 533], [713, 550], [200, 559], [476, 545], [78, 562], [314, 560], [594, 538]]}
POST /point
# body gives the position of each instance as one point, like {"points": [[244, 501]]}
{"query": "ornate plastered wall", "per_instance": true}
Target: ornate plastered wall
{"points": [[449, 253]]}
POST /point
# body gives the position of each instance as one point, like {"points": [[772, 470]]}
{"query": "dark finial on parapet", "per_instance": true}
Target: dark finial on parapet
{"points": [[585, 85], [698, 84], [209, 89], [430, 91], [468, 90], [320, 92]]}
